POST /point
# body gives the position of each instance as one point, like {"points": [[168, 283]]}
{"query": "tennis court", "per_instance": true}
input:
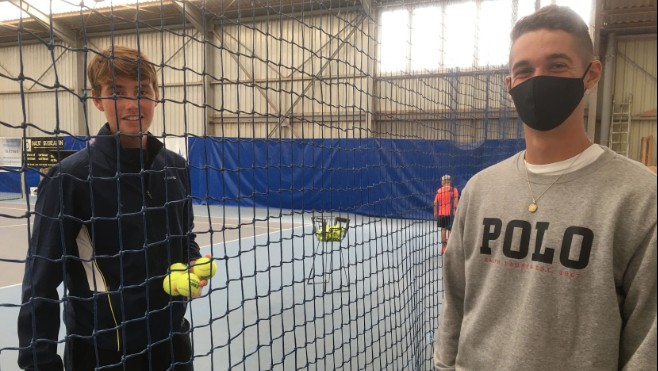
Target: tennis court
{"points": [[264, 309]]}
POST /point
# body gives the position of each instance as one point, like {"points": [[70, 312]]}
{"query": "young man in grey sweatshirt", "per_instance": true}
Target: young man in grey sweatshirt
{"points": [[552, 260]]}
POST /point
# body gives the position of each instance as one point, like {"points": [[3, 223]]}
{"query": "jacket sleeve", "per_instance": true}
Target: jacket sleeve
{"points": [[39, 315], [638, 337], [452, 309], [193, 250]]}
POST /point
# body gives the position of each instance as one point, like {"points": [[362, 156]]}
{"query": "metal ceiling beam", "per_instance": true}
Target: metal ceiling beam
{"points": [[193, 15], [44, 19]]}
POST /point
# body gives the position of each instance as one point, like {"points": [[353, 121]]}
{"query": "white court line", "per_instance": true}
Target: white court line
{"points": [[254, 236], [233, 226], [10, 286]]}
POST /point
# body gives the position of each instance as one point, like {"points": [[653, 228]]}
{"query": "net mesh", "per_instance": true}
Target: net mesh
{"points": [[312, 163]]}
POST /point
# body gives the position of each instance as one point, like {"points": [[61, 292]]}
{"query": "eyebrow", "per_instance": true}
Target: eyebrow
{"points": [[520, 64], [560, 56], [550, 57]]}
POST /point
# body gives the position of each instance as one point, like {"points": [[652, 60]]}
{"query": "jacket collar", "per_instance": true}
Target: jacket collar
{"points": [[108, 143]]}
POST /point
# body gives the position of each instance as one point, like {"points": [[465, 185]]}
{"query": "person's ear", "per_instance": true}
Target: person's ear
{"points": [[508, 82], [97, 101], [593, 75]]}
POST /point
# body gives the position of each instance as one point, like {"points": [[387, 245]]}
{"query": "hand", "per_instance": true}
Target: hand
{"points": [[192, 262], [202, 284]]}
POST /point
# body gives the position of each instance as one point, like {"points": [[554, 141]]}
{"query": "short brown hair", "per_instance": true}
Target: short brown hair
{"points": [[555, 17], [120, 61]]}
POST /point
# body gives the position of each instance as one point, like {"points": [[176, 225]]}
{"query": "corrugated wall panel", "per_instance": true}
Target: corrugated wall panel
{"points": [[639, 129], [43, 71], [37, 61], [311, 70], [179, 118], [444, 93], [635, 79], [43, 109], [635, 73], [298, 68], [11, 113], [464, 98]]}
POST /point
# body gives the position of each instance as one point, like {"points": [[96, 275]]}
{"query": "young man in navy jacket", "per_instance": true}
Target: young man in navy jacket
{"points": [[109, 221]]}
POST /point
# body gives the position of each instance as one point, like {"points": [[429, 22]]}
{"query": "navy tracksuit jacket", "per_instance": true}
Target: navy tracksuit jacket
{"points": [[109, 221]]}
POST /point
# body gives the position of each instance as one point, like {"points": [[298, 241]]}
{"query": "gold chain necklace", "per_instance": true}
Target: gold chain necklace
{"points": [[533, 206]]}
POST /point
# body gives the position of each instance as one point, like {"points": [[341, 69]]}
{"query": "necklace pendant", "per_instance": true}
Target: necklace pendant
{"points": [[533, 207]]}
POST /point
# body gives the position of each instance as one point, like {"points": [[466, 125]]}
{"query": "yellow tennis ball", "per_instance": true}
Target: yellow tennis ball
{"points": [[177, 268], [187, 284], [169, 284], [204, 268]]}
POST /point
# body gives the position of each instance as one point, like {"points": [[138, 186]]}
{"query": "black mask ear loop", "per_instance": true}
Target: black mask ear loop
{"points": [[585, 74], [587, 70]]}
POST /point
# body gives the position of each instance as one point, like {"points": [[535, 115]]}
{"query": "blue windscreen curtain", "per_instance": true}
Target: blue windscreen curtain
{"points": [[377, 177]]}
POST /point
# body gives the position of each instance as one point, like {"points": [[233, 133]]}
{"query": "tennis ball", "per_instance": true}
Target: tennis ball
{"points": [[169, 284], [324, 235], [177, 268], [204, 268], [336, 232], [187, 284]]}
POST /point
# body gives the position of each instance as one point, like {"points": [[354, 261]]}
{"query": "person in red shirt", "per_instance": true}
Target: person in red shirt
{"points": [[445, 205]]}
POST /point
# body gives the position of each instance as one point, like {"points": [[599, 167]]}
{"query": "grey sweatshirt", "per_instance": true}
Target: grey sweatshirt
{"points": [[570, 287]]}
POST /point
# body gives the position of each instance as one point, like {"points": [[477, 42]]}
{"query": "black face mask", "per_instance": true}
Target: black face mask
{"points": [[544, 102]]}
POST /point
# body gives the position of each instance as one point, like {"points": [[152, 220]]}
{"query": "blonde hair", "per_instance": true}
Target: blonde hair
{"points": [[120, 61]]}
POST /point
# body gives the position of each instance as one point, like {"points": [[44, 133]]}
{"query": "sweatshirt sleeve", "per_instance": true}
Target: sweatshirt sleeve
{"points": [[452, 310], [638, 337], [39, 315]]}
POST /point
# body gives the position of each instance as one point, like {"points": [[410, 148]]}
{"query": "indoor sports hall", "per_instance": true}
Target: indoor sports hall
{"points": [[316, 134]]}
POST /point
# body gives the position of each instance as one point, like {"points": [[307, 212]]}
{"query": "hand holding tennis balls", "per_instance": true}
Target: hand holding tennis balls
{"points": [[181, 281], [204, 267]]}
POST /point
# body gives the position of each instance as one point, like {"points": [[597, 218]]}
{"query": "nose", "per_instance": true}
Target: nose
{"points": [[129, 101]]}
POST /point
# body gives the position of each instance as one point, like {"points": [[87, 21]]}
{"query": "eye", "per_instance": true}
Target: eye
{"points": [[559, 66], [522, 73], [146, 91]]}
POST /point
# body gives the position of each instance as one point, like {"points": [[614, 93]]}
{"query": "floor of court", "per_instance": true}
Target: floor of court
{"points": [[281, 299]]}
